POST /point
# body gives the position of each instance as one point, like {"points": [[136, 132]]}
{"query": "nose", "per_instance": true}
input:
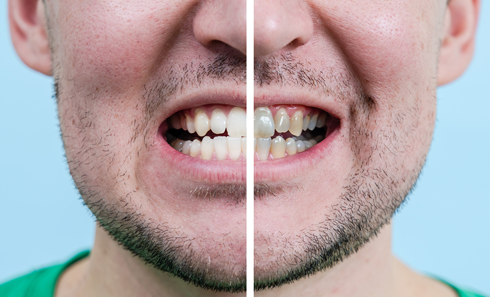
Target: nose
{"points": [[222, 21], [279, 23]]}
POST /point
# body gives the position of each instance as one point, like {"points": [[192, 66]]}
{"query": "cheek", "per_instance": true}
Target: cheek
{"points": [[114, 43]]}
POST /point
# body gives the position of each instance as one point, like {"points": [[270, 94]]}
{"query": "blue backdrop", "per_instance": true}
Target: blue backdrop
{"points": [[442, 230]]}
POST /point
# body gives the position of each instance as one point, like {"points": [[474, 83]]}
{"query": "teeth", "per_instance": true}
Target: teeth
{"points": [[201, 122], [195, 148], [296, 125], [218, 121], [237, 122], [190, 124], [281, 121], [307, 144], [234, 147], [312, 124], [263, 147], [291, 146], [300, 146], [322, 118], [186, 149], [207, 148], [306, 121], [177, 144], [278, 147], [220, 147], [175, 121], [263, 123], [244, 147]]}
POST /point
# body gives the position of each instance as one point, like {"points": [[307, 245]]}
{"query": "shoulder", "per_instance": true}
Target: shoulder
{"points": [[39, 283], [461, 292]]}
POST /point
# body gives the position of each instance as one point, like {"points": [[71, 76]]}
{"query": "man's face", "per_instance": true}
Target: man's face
{"points": [[123, 69]]}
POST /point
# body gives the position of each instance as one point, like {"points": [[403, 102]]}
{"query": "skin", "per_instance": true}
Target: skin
{"points": [[381, 67]]}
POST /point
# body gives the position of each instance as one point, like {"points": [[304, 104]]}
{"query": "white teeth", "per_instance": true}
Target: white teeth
{"points": [[307, 144], [291, 146], [296, 124], [236, 125], [195, 148], [300, 146], [190, 124], [278, 147], [201, 122], [218, 121], [220, 147], [207, 148], [186, 148], [322, 118], [263, 147], [281, 121], [312, 124], [244, 147], [234, 147], [306, 121], [263, 123]]}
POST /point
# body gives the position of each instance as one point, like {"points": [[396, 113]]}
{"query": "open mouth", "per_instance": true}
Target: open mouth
{"points": [[218, 132]]}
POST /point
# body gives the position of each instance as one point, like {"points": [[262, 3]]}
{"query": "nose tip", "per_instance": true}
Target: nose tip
{"points": [[278, 24], [223, 22]]}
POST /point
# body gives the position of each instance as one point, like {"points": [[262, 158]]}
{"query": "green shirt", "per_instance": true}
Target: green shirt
{"points": [[42, 283]]}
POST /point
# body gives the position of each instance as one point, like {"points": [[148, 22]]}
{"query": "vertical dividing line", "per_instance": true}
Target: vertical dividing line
{"points": [[250, 148]]}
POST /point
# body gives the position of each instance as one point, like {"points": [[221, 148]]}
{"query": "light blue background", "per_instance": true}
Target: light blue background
{"points": [[442, 230]]}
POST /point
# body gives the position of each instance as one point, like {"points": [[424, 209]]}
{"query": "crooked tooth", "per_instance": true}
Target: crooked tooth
{"points": [[263, 123], [234, 147], [291, 146], [201, 122], [312, 124], [175, 121], [190, 124], [207, 148], [263, 147], [306, 121], [281, 121], [278, 147], [186, 148], [195, 148], [296, 123], [220, 147], [322, 118], [236, 125], [244, 147], [300, 146], [218, 121]]}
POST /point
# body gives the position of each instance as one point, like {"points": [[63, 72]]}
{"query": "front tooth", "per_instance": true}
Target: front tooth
{"points": [[263, 148], [236, 125], [278, 147], [190, 124], [322, 118], [306, 121], [244, 147], [291, 146], [296, 124], [300, 146], [218, 121], [195, 148], [207, 148], [281, 121], [186, 148], [263, 123], [312, 124], [234, 147], [220, 147], [201, 122], [175, 121]]}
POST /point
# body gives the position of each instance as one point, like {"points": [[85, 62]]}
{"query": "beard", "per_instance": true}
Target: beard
{"points": [[371, 194]]}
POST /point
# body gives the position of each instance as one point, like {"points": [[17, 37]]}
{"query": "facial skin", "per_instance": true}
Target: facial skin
{"points": [[123, 68]]}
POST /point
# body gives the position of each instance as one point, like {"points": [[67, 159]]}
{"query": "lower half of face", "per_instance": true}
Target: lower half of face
{"points": [[342, 127]]}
